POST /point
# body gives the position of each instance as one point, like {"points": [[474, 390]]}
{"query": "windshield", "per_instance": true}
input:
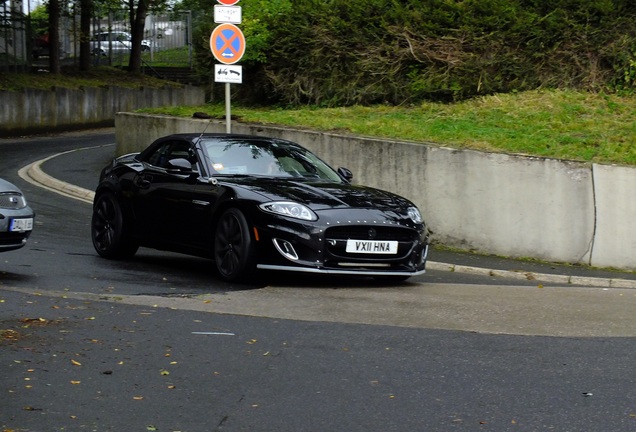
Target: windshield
{"points": [[265, 158]]}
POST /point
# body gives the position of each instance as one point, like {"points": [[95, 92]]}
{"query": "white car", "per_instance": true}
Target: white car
{"points": [[16, 217], [117, 41]]}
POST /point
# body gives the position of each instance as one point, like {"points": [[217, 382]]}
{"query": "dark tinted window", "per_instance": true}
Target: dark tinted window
{"points": [[170, 150]]}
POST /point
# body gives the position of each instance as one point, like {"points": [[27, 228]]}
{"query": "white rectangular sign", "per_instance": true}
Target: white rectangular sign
{"points": [[228, 74], [227, 14], [372, 247]]}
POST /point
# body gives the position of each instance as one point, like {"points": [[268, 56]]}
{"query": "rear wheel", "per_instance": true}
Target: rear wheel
{"points": [[233, 247], [108, 229]]}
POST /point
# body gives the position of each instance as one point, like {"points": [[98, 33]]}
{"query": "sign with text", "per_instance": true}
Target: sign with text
{"points": [[232, 74], [227, 14]]}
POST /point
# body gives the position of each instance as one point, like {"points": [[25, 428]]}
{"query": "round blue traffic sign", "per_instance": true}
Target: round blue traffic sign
{"points": [[227, 43]]}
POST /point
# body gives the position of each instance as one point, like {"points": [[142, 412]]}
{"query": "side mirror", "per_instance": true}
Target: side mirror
{"points": [[346, 174], [180, 166]]}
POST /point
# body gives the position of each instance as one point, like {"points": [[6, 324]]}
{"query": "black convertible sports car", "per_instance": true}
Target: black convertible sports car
{"points": [[250, 203]]}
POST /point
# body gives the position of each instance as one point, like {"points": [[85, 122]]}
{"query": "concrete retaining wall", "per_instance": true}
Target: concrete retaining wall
{"points": [[495, 203], [32, 111]]}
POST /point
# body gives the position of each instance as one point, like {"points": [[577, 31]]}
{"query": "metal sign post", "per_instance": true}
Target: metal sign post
{"points": [[227, 43], [228, 109]]}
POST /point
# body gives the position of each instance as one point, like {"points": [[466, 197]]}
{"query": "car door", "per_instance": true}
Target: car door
{"points": [[175, 204]]}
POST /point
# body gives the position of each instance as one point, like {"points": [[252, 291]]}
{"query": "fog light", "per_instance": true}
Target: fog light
{"points": [[424, 254], [286, 249]]}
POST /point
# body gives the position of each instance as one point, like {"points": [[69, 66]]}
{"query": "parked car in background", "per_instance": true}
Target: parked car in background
{"points": [[117, 41], [41, 47], [16, 217], [251, 202]]}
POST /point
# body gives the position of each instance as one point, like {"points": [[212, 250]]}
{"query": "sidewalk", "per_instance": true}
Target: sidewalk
{"points": [[76, 173]]}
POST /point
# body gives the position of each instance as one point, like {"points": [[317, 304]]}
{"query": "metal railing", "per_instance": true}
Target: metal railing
{"points": [[167, 40]]}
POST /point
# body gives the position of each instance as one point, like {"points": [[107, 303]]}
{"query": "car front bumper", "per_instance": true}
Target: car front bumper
{"points": [[321, 247], [11, 240]]}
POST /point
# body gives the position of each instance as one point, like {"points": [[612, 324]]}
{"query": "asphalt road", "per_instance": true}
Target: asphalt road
{"points": [[159, 343]]}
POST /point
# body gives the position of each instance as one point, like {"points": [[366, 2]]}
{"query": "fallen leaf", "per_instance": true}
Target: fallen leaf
{"points": [[30, 408], [32, 320], [75, 382]]}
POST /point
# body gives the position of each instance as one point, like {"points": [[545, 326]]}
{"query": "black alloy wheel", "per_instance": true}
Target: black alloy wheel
{"points": [[108, 229], [233, 247]]}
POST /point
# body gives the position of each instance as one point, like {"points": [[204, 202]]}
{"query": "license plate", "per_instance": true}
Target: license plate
{"points": [[19, 225], [372, 247]]}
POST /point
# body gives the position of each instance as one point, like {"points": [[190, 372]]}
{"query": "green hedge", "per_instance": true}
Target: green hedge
{"points": [[345, 52]]}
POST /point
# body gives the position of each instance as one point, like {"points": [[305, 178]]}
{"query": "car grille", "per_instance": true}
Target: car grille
{"points": [[361, 232], [336, 239], [12, 201]]}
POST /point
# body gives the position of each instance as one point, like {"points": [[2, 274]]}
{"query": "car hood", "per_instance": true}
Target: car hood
{"points": [[322, 195], [5, 186]]}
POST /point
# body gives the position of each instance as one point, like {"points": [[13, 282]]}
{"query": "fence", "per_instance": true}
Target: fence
{"points": [[167, 40], [14, 37]]}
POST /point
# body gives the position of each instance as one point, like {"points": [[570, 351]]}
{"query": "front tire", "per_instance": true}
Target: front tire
{"points": [[233, 247], [109, 229]]}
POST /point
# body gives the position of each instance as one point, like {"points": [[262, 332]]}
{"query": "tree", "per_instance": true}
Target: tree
{"points": [[54, 36], [86, 12], [137, 25]]}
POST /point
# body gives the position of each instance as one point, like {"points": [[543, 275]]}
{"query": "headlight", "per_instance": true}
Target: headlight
{"points": [[415, 214], [289, 209], [12, 201]]}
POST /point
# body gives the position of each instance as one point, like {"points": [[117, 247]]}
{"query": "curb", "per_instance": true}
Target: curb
{"points": [[33, 174], [539, 277]]}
